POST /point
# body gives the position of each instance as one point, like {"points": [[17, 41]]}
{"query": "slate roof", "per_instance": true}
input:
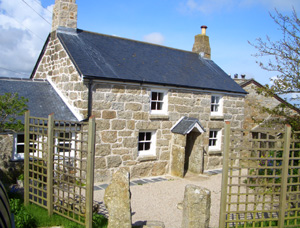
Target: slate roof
{"points": [[42, 98], [106, 57], [186, 124]]}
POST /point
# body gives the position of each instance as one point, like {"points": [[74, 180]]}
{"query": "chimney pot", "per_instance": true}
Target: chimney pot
{"points": [[203, 29], [236, 75], [243, 76]]}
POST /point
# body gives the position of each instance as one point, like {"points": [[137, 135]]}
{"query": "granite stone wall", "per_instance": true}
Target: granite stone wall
{"points": [[9, 170]]}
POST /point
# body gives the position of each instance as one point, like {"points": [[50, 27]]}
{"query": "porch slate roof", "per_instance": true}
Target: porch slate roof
{"points": [[42, 98], [98, 56], [186, 124]]}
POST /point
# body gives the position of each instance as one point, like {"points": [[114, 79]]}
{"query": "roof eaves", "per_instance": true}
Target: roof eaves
{"points": [[95, 78]]}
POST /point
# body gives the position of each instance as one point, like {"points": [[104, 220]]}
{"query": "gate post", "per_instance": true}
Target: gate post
{"points": [[50, 164], [225, 175], [90, 173], [284, 176], [26, 159]]}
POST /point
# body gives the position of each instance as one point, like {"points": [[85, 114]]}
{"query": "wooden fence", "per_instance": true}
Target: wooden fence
{"points": [[261, 179], [59, 167]]}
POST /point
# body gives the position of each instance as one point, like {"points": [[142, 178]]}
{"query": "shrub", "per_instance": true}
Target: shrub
{"points": [[99, 221], [21, 216]]}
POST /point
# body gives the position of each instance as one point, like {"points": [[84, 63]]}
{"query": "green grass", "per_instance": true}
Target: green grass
{"points": [[43, 220], [33, 216]]}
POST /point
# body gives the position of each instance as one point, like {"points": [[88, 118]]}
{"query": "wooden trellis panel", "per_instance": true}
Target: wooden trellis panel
{"points": [[59, 165], [260, 185]]}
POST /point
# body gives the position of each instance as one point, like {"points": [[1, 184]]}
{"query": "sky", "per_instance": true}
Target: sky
{"points": [[232, 24]]}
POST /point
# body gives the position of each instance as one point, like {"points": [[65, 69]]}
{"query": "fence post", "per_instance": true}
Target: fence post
{"points": [[90, 173], [50, 164], [26, 159], [284, 176], [225, 175]]}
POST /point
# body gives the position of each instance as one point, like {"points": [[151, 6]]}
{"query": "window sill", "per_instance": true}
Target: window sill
{"points": [[147, 158], [215, 152], [220, 117], [159, 117]]}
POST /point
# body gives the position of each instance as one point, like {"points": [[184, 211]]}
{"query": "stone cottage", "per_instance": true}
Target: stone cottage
{"points": [[158, 110], [255, 117]]}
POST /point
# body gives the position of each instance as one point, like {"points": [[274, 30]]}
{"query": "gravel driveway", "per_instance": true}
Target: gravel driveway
{"points": [[158, 200]]}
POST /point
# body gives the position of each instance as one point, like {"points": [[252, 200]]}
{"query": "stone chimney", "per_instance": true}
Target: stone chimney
{"points": [[64, 14], [201, 45]]}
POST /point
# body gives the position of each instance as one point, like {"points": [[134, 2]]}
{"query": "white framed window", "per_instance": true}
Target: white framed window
{"points": [[214, 142], [216, 105], [19, 145], [146, 143], [159, 101], [64, 144]]}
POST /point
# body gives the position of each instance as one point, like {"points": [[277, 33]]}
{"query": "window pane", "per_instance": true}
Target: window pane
{"points": [[141, 146], [217, 100], [159, 106], [147, 146], [153, 105], [148, 136], [213, 99], [20, 138], [154, 96], [160, 96], [141, 136], [20, 148], [216, 108]]}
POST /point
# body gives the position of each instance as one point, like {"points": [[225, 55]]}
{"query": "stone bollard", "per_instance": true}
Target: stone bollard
{"points": [[117, 200], [196, 207]]}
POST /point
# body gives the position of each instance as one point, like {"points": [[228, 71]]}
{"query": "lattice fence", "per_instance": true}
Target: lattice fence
{"points": [[58, 167], [260, 185]]}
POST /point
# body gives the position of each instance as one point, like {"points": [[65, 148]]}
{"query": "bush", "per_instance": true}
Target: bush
{"points": [[21, 216], [99, 221]]}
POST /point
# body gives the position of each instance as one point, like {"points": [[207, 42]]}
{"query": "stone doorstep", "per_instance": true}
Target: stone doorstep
{"points": [[136, 182]]}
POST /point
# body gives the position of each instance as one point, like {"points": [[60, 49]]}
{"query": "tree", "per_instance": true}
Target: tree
{"points": [[11, 106], [284, 59]]}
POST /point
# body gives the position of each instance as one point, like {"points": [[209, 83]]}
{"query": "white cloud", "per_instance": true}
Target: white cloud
{"points": [[210, 6], [155, 37], [22, 35], [280, 5]]}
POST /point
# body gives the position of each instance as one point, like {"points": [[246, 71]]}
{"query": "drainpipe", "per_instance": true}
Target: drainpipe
{"points": [[90, 98]]}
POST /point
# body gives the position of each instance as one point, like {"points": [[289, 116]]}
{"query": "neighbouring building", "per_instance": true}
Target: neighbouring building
{"points": [[42, 100], [158, 110], [255, 117]]}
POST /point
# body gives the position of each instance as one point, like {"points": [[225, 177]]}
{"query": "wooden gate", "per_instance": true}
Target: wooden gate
{"points": [[59, 167], [261, 178]]}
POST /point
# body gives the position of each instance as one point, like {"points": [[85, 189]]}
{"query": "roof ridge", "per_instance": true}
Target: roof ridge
{"points": [[128, 39]]}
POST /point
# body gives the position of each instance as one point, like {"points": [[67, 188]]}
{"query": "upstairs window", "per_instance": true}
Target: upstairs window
{"points": [[216, 106], [214, 139], [146, 143], [158, 102]]}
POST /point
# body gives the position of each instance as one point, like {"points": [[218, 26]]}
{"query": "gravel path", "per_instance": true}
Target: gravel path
{"points": [[158, 201]]}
